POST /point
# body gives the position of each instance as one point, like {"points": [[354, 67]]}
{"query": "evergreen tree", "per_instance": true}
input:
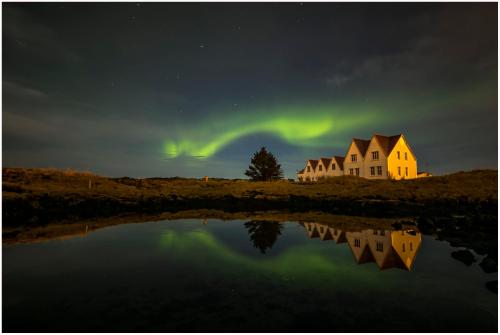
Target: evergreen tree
{"points": [[263, 234], [264, 166]]}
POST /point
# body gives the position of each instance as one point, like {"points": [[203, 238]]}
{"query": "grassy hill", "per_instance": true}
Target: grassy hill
{"points": [[38, 195]]}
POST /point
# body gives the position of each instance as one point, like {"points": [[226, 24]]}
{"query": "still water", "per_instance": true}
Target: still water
{"points": [[213, 275]]}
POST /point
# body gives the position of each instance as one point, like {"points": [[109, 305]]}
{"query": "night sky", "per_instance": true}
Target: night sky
{"points": [[194, 89]]}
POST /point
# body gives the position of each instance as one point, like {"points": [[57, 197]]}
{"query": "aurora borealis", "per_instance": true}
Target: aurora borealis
{"points": [[194, 89]]}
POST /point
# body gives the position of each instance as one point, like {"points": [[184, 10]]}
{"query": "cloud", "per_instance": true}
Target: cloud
{"points": [[21, 91], [33, 37]]}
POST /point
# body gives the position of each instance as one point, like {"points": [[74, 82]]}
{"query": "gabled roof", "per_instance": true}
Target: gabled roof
{"points": [[340, 161], [314, 163], [387, 143], [362, 145], [326, 162], [301, 171]]}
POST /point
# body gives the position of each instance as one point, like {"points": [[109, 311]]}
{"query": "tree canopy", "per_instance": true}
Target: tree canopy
{"points": [[264, 166]]}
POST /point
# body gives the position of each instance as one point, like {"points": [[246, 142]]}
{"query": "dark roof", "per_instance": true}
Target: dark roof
{"points": [[387, 143], [340, 161], [301, 171], [326, 162], [362, 145], [314, 163]]}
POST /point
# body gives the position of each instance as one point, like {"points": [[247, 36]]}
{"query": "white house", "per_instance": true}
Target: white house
{"points": [[381, 157]]}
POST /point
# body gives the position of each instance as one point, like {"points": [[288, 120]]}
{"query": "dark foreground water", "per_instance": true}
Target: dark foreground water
{"points": [[210, 275]]}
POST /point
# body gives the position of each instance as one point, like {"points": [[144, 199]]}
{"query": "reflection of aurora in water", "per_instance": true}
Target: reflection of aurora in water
{"points": [[301, 127], [387, 248], [182, 275]]}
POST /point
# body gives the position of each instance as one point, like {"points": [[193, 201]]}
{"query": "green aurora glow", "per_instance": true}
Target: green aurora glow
{"points": [[303, 127], [297, 262]]}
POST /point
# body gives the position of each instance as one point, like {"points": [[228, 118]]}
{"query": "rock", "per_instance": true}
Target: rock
{"points": [[464, 256], [492, 286], [489, 265]]}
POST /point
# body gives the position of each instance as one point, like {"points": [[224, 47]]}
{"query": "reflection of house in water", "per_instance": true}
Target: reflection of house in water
{"points": [[387, 248]]}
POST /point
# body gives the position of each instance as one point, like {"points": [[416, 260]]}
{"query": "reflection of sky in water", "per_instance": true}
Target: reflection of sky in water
{"points": [[183, 275]]}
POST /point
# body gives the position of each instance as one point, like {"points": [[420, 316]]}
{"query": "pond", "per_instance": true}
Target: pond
{"points": [[195, 275]]}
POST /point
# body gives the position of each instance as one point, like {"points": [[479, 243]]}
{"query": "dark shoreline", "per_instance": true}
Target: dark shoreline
{"points": [[462, 207], [42, 209]]}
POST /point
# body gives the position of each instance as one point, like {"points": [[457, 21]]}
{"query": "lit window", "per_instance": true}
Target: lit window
{"points": [[375, 155], [399, 170], [379, 170], [406, 156], [357, 243], [357, 171], [399, 157], [372, 170], [406, 171], [354, 158]]}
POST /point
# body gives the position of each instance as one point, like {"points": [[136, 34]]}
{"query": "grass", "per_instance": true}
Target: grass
{"points": [[479, 185], [41, 196]]}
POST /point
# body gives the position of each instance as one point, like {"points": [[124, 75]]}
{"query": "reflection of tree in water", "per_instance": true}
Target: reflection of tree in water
{"points": [[263, 234]]}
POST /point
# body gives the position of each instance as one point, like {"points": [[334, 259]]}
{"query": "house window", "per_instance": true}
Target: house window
{"points": [[321, 167], [333, 166], [411, 246], [382, 233], [357, 243], [357, 171], [406, 171], [321, 230], [406, 156], [372, 170], [403, 247], [308, 169], [375, 155], [350, 172], [380, 246], [379, 170], [399, 170], [399, 156], [354, 158]]}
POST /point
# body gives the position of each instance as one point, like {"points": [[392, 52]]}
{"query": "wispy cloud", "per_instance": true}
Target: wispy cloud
{"points": [[34, 37], [22, 91]]}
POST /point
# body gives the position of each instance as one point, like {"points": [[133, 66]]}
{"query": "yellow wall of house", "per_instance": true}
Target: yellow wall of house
{"points": [[320, 174], [357, 251], [393, 162], [370, 162], [334, 173], [383, 237], [406, 245], [349, 164]]}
